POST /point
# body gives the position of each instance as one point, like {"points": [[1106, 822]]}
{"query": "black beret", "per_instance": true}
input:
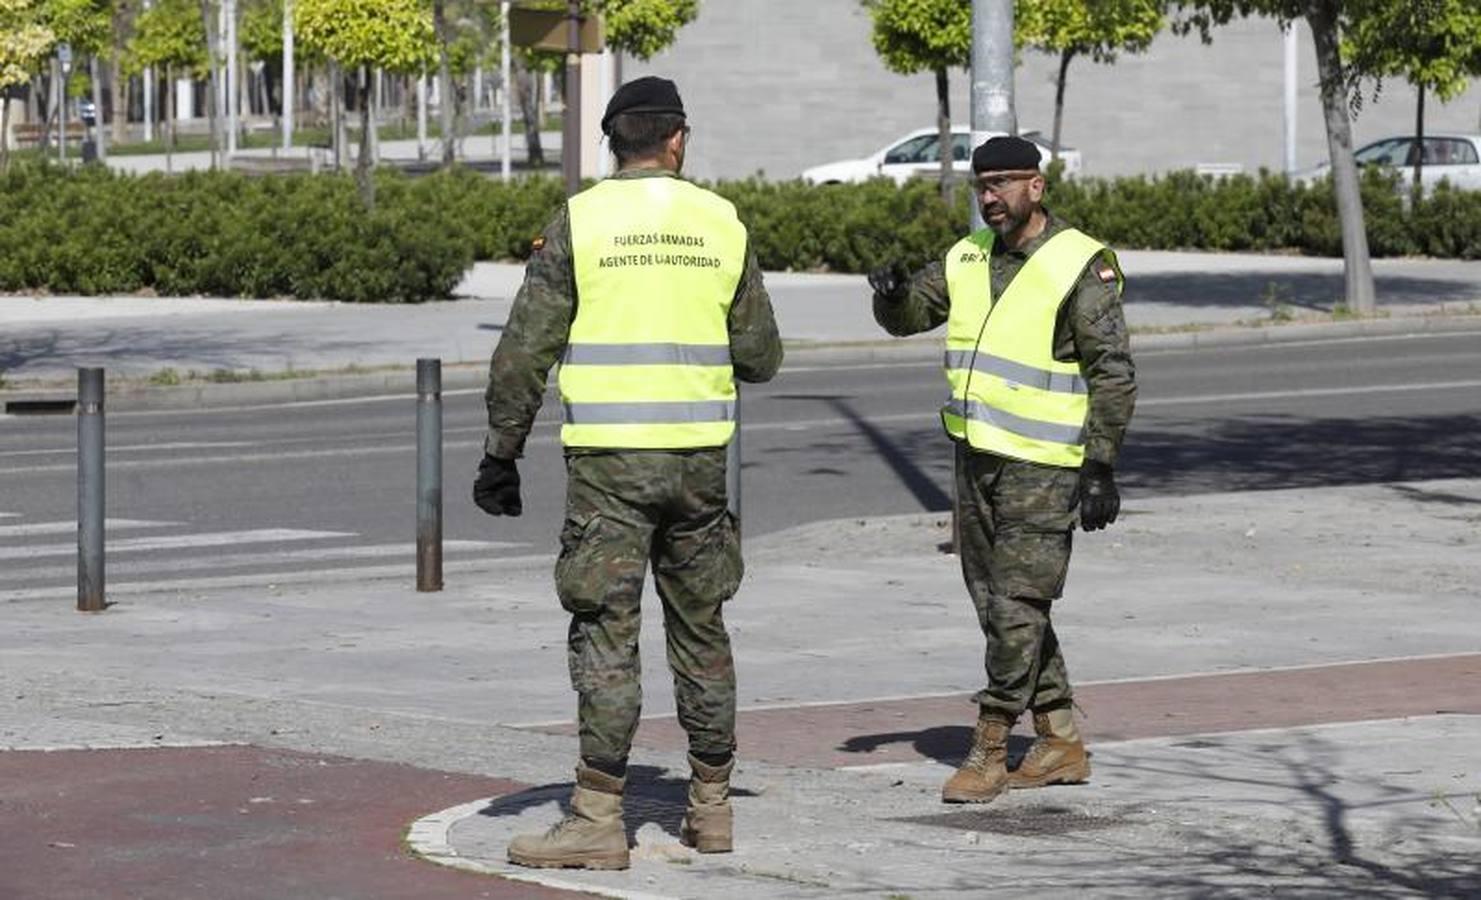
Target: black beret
{"points": [[648, 94], [1005, 153]]}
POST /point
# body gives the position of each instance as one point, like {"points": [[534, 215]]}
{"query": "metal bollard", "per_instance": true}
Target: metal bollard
{"points": [[733, 465], [429, 474], [90, 491]]}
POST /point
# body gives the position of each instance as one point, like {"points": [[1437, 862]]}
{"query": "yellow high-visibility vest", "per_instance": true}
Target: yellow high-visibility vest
{"points": [[647, 364], [1009, 395]]}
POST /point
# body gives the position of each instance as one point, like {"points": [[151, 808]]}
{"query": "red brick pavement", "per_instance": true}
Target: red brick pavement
{"points": [[908, 730], [227, 823]]}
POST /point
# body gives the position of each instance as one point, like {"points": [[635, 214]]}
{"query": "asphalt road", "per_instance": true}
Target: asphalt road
{"points": [[295, 488]]}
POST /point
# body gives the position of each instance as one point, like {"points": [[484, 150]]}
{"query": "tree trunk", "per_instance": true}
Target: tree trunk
{"points": [[362, 165], [444, 81], [1418, 142], [170, 111], [1357, 268], [99, 136], [123, 16], [529, 113], [213, 80], [4, 133], [944, 149], [1064, 71]]}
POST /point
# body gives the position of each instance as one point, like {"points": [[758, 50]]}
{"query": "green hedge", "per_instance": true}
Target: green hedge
{"points": [[90, 231]]}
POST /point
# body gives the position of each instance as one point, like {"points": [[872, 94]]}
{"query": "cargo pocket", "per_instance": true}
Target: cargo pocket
{"points": [[1031, 555], [597, 563], [705, 562]]}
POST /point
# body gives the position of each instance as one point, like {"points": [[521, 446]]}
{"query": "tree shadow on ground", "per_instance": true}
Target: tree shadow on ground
{"points": [[1275, 452], [1315, 291], [1281, 816]]}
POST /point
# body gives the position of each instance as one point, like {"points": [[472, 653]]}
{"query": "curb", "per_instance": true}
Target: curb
{"points": [[136, 397]]}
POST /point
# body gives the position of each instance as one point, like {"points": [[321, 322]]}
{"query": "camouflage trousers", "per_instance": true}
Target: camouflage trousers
{"points": [[623, 511], [1015, 521]]}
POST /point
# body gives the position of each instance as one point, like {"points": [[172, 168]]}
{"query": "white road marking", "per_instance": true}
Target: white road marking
{"points": [[70, 525], [178, 542], [130, 448], [1312, 392]]}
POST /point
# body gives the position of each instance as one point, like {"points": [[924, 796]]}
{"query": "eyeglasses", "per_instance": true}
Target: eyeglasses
{"points": [[997, 184]]}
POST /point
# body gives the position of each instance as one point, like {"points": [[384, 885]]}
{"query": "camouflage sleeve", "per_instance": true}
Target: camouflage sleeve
{"points": [[533, 339], [923, 308], [1092, 329], [755, 344]]}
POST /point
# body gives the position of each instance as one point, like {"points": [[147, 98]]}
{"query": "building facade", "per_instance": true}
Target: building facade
{"points": [[777, 86]]}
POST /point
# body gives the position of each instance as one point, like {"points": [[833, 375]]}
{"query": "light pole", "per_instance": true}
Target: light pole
{"points": [[992, 76], [289, 94]]}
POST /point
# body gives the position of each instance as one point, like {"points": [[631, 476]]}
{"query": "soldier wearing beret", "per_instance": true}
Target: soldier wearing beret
{"points": [[1042, 388], [644, 287]]}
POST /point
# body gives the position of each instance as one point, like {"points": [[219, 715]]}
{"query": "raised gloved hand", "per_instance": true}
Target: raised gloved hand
{"points": [[496, 490], [1099, 499], [891, 282]]}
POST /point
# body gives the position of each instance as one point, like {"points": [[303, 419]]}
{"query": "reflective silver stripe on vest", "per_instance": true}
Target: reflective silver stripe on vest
{"points": [[1030, 428], [1016, 372], [646, 355], [671, 412]]}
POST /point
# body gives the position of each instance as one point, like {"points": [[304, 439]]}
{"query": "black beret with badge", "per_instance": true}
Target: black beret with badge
{"points": [[1005, 154], [647, 95]]}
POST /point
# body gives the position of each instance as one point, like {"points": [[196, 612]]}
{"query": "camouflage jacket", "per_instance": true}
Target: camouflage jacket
{"points": [[1091, 330], [540, 322]]}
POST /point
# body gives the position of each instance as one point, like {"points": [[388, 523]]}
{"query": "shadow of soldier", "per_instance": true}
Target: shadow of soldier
{"points": [[652, 796], [946, 744]]}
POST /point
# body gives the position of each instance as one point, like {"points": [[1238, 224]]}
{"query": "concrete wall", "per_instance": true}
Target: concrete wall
{"points": [[780, 85]]}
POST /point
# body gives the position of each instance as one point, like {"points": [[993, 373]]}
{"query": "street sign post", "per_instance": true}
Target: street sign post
{"points": [[562, 31], [546, 29]]}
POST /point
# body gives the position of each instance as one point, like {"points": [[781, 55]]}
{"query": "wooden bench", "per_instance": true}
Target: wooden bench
{"points": [[31, 134]]}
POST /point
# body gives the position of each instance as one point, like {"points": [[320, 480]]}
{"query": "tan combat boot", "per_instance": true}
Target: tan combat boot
{"points": [[984, 774], [1058, 755], [591, 837], [707, 823]]}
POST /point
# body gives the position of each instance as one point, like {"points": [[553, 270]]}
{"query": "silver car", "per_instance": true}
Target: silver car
{"points": [[917, 155], [1451, 157]]}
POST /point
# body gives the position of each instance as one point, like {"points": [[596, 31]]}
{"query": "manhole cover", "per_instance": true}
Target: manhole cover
{"points": [[1030, 822]]}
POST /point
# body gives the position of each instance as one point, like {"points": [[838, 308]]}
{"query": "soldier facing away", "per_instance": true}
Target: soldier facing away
{"points": [[645, 288], [1042, 388]]}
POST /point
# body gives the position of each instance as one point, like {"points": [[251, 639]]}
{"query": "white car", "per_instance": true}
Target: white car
{"points": [[917, 154], [1453, 157]]}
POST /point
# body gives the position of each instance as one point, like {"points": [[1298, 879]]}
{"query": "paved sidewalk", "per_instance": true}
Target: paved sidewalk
{"points": [[1175, 299], [1283, 689]]}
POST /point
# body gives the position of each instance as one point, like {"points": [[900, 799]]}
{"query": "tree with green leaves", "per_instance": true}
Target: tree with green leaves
{"points": [[640, 28], [394, 35], [1099, 29], [25, 41], [913, 36], [1435, 45], [169, 37], [1328, 19]]}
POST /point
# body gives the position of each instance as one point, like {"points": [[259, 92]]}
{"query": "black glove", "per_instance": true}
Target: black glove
{"points": [[1099, 499], [892, 282], [496, 490]]}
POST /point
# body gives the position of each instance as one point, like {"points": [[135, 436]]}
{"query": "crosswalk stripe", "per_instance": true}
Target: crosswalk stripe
{"points": [[178, 542], [70, 525], [390, 552]]}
